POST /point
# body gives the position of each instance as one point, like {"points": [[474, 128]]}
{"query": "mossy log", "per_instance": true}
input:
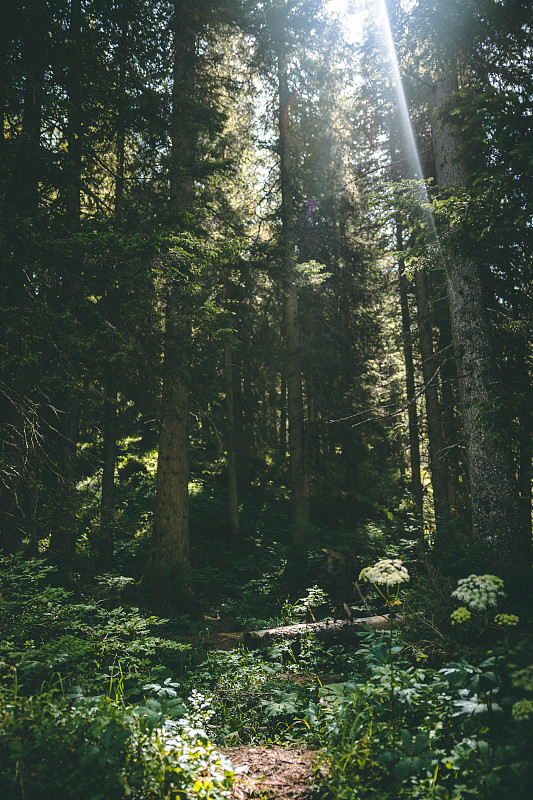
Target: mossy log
{"points": [[337, 632]]}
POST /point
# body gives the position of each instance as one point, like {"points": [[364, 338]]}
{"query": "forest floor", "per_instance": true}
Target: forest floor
{"points": [[267, 772], [273, 772]]}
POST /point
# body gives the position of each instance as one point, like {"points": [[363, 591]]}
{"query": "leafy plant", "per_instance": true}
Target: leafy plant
{"points": [[45, 634], [95, 748]]}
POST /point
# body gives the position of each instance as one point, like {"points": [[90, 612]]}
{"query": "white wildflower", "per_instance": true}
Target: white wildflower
{"points": [[479, 592], [389, 571]]}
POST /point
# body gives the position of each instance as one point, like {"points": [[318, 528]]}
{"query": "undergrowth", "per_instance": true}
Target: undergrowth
{"points": [[440, 707]]}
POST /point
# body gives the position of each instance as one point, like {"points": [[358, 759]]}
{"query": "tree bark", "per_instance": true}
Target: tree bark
{"points": [[497, 524], [169, 567], [407, 346], [231, 443], [66, 405], [525, 443], [338, 632], [27, 188], [74, 128], [283, 419], [301, 527], [438, 467], [120, 142], [450, 422], [241, 454], [107, 504]]}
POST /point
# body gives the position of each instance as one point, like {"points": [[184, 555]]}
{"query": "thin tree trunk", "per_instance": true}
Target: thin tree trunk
{"points": [[28, 188], [241, 453], [439, 471], [231, 443], [66, 410], [107, 511], [407, 344], [120, 144], [497, 522], [283, 418], [301, 531], [64, 432], [169, 567], [301, 528], [525, 444], [107, 505], [450, 423], [350, 461], [74, 128]]}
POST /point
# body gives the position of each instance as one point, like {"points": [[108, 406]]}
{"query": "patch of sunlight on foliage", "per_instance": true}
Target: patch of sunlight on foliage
{"points": [[196, 486], [129, 442], [150, 461], [90, 482], [110, 582], [145, 525]]}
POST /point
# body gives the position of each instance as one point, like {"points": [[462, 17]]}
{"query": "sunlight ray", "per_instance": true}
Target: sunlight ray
{"points": [[419, 185]]}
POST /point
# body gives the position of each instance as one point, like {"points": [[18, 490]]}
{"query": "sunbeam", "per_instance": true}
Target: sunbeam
{"points": [[415, 165]]}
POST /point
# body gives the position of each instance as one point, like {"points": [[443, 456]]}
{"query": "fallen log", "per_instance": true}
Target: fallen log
{"points": [[337, 632]]}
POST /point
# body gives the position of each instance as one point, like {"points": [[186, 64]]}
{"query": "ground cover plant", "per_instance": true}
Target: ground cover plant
{"points": [[147, 715]]}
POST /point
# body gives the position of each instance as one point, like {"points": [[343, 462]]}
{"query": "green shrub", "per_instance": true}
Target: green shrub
{"points": [[46, 636], [99, 749], [457, 733]]}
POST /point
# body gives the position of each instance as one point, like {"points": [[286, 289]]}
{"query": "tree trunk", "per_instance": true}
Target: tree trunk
{"points": [[350, 457], [338, 632], [107, 511], [283, 419], [107, 505], [66, 405], [169, 567], [241, 454], [75, 115], [120, 143], [64, 431], [525, 445], [450, 423], [230, 442], [407, 345], [301, 528], [497, 524], [439, 471], [28, 179]]}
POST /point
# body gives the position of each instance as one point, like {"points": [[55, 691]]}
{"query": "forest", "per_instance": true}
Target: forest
{"points": [[266, 400]]}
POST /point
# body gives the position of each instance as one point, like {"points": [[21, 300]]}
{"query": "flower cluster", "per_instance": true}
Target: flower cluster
{"points": [[479, 592], [389, 571], [460, 615], [523, 678], [507, 620], [522, 710]]}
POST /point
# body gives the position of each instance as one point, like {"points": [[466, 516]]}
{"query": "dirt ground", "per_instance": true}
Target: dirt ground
{"points": [[273, 773]]}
